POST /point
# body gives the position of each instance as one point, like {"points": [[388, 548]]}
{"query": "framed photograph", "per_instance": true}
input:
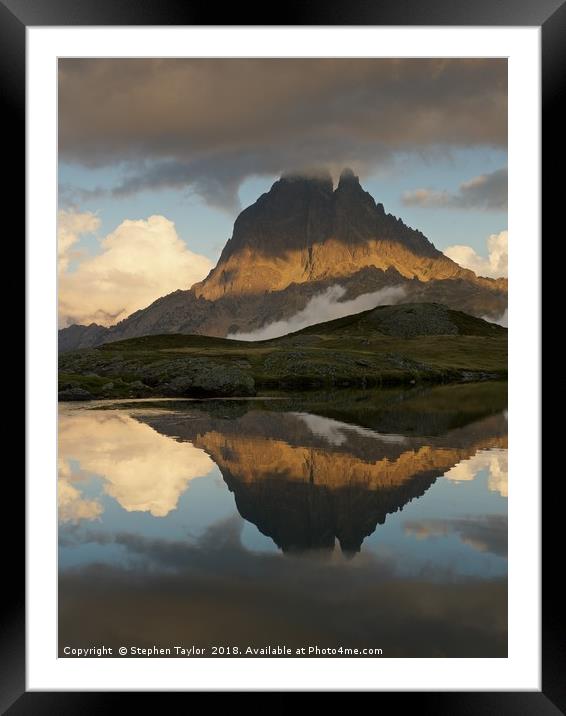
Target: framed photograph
{"points": [[283, 369]]}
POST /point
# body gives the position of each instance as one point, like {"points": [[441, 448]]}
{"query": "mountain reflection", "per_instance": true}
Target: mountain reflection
{"points": [[158, 503], [306, 480]]}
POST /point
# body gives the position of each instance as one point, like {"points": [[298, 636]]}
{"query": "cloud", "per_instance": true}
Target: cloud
{"points": [[502, 320], [494, 265], [139, 262], [498, 471], [487, 192], [493, 460], [141, 469], [70, 227], [324, 307], [210, 123], [484, 534], [72, 506]]}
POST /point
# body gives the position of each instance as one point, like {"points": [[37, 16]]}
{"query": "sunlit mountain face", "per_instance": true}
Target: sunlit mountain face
{"points": [[374, 519], [300, 240]]}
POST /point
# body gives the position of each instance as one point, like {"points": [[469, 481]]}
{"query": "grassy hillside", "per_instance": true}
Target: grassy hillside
{"points": [[407, 321], [389, 345]]}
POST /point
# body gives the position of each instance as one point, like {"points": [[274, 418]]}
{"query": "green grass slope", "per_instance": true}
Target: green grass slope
{"points": [[388, 345], [406, 321]]}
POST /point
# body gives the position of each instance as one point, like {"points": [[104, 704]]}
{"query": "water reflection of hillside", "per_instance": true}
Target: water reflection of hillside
{"points": [[305, 479]]}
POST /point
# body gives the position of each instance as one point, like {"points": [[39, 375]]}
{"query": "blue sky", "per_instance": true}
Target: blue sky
{"points": [[206, 228], [197, 140]]}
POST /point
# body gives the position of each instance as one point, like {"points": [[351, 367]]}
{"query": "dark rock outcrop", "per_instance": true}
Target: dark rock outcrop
{"points": [[203, 378]]}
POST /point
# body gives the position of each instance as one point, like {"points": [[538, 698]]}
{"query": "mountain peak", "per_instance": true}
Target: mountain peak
{"points": [[318, 176], [303, 230], [348, 178], [297, 240]]}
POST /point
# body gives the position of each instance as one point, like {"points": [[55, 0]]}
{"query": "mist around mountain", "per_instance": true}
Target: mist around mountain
{"points": [[305, 241], [388, 345]]}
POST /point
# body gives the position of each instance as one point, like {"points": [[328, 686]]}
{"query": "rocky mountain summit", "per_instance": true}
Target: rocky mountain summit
{"points": [[303, 230], [297, 240]]}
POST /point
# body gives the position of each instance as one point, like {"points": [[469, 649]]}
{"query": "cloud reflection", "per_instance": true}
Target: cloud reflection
{"points": [[214, 591], [493, 460], [73, 507], [142, 470], [483, 533]]}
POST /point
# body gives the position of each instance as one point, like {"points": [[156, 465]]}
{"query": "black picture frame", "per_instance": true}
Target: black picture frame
{"points": [[15, 17]]}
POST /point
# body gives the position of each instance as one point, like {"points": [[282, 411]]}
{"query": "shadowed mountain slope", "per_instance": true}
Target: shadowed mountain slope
{"points": [[295, 242]]}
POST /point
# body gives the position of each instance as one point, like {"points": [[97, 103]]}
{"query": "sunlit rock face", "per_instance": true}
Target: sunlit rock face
{"points": [[296, 241], [306, 481], [303, 230]]}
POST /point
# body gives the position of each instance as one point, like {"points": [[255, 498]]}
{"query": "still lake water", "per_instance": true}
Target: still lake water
{"points": [[370, 520]]}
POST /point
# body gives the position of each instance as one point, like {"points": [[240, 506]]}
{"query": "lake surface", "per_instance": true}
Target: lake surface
{"points": [[371, 520]]}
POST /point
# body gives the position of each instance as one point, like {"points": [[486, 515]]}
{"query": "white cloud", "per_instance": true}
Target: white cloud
{"points": [[142, 470], [72, 506], [503, 319], [139, 262], [494, 265], [70, 226], [324, 307], [494, 460], [498, 472]]}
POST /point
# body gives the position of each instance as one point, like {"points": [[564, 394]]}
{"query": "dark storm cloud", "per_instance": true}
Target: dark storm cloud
{"points": [[487, 192], [209, 124], [217, 177]]}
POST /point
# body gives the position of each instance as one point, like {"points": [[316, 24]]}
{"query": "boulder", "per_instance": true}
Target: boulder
{"points": [[212, 380]]}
